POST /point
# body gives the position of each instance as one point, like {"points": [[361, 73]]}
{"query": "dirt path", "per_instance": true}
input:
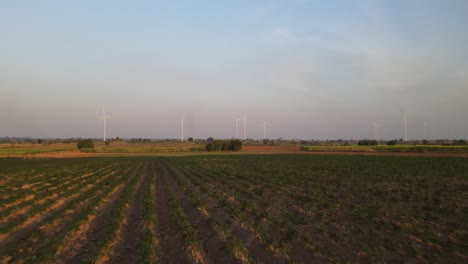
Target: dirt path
{"points": [[171, 249], [126, 250]]}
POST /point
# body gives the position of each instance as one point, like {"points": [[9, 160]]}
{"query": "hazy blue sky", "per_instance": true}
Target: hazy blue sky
{"points": [[315, 69]]}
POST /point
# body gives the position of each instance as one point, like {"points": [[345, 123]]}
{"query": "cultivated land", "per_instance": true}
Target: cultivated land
{"points": [[234, 209], [174, 148]]}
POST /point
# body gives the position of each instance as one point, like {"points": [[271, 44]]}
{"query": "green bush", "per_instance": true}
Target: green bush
{"points": [[85, 144], [460, 142], [367, 142], [224, 145]]}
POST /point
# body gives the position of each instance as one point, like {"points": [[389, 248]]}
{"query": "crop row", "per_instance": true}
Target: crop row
{"points": [[48, 227], [360, 209]]}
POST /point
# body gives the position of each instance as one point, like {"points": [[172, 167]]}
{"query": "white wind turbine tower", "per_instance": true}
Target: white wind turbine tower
{"points": [[243, 119], [425, 130], [265, 124], [406, 126], [182, 127], [104, 117], [376, 131], [237, 119]]}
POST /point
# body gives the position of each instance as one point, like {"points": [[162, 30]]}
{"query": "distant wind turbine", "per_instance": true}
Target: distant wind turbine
{"points": [[237, 119], [425, 130], [265, 124], [243, 118], [376, 131], [182, 128], [104, 117], [406, 126]]}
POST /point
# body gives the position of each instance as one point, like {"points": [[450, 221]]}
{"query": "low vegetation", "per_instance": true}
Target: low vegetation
{"points": [[85, 144], [388, 148], [224, 145], [234, 209]]}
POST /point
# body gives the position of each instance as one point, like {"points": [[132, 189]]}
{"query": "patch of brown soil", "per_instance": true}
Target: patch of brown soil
{"points": [[15, 203], [215, 248], [15, 213], [27, 186], [124, 248], [35, 220], [61, 154], [71, 242], [256, 250], [85, 248], [171, 248]]}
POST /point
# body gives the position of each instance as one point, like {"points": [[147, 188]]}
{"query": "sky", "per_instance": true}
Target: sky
{"points": [[341, 69]]}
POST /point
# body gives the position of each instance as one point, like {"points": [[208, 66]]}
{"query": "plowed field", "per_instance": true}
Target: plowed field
{"points": [[234, 209]]}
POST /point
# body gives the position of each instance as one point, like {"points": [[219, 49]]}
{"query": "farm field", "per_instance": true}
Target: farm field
{"points": [[174, 148], [279, 208], [391, 148], [116, 148]]}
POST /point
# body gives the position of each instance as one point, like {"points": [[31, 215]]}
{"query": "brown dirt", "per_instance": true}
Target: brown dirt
{"points": [[85, 247], [256, 250], [171, 247], [269, 148], [15, 203], [61, 154], [26, 186], [56, 226], [71, 242], [216, 250], [36, 220], [126, 249]]}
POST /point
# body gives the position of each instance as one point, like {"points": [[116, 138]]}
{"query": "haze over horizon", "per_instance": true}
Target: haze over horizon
{"points": [[314, 69]]}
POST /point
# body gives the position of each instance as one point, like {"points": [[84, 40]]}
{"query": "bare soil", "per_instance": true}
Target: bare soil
{"points": [[171, 248], [257, 252], [216, 250], [126, 250]]}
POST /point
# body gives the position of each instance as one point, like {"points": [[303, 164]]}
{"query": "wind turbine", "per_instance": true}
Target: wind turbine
{"points": [[406, 126], [425, 130], [265, 124], [104, 117], [243, 119], [237, 119], [182, 129], [376, 131]]}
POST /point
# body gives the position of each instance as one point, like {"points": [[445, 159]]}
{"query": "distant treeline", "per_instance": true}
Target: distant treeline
{"points": [[224, 145]]}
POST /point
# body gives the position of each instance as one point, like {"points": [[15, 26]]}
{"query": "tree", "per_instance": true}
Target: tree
{"points": [[224, 145], [209, 140], [85, 143], [367, 142], [190, 139], [460, 142], [236, 145]]}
